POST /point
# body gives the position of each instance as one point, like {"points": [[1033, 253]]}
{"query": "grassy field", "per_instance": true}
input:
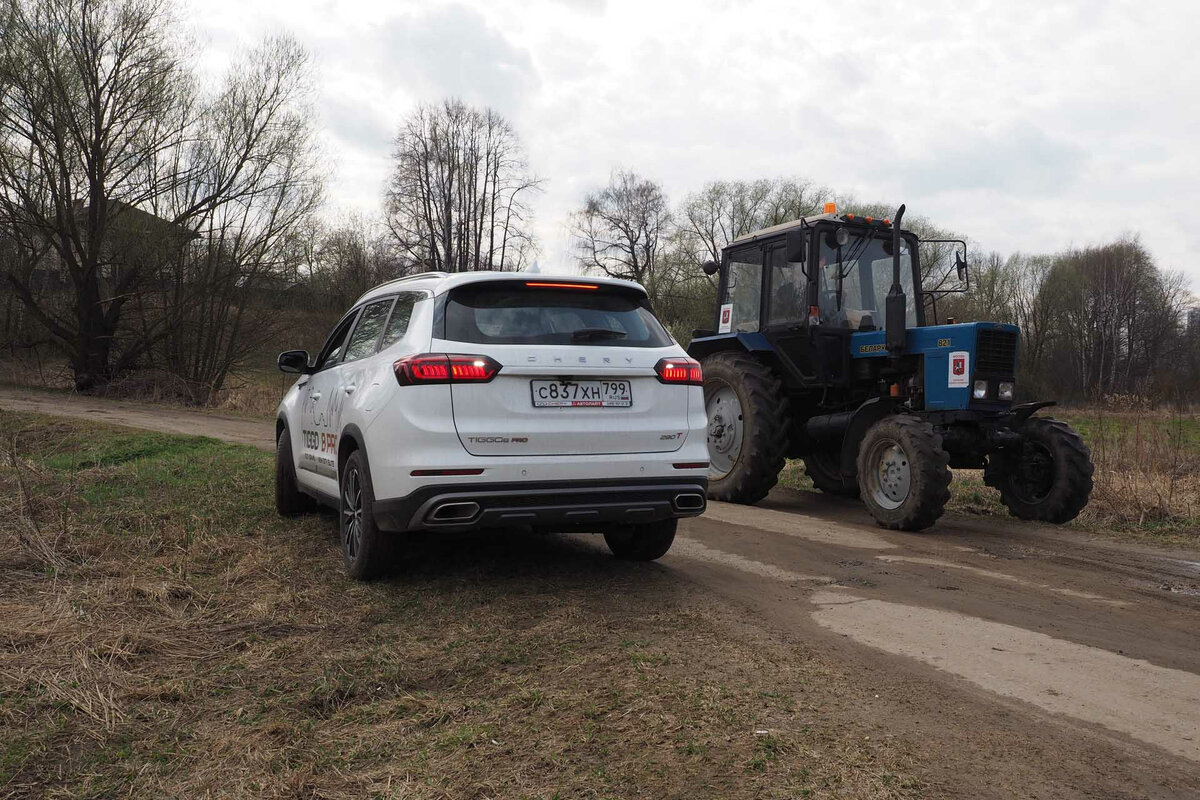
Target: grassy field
{"points": [[164, 634]]}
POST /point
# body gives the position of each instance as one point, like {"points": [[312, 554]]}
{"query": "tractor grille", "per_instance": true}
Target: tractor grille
{"points": [[996, 352]]}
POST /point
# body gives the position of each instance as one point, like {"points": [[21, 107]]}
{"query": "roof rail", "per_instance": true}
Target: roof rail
{"points": [[430, 274]]}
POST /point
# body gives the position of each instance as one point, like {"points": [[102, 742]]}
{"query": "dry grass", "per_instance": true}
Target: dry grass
{"points": [[183, 641], [252, 392], [1147, 468]]}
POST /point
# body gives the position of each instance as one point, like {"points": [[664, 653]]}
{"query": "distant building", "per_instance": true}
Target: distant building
{"points": [[1193, 320]]}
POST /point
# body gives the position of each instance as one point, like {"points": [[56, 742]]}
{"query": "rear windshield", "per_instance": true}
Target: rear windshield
{"points": [[501, 313]]}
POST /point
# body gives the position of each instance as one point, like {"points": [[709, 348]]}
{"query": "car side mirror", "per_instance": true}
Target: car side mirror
{"points": [[793, 245], [960, 266], [710, 267], [295, 361]]}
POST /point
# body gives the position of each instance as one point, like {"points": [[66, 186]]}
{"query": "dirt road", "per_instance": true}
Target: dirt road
{"points": [[1013, 659]]}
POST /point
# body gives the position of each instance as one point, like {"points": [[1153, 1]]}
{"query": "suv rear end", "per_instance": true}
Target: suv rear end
{"points": [[555, 403]]}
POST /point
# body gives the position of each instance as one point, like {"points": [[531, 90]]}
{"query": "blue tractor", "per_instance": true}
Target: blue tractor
{"points": [[822, 352]]}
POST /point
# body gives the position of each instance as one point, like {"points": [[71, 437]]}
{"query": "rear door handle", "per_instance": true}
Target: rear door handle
{"points": [[350, 389], [315, 396]]}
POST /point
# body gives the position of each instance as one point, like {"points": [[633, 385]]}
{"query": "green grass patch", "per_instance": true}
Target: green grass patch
{"points": [[78, 451]]}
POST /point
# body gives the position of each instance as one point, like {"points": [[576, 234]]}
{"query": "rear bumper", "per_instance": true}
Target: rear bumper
{"points": [[565, 504]]}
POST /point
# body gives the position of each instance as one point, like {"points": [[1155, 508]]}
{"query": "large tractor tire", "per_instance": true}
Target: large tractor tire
{"points": [[747, 427], [903, 473], [822, 467], [1051, 479]]}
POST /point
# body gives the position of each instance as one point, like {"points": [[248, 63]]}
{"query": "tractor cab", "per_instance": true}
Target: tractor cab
{"points": [[822, 351], [804, 288], [822, 270]]}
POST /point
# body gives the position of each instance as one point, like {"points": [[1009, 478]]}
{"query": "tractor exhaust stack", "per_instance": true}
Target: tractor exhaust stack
{"points": [[896, 304]]}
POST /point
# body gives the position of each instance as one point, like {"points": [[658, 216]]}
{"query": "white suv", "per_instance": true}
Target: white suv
{"points": [[475, 400]]}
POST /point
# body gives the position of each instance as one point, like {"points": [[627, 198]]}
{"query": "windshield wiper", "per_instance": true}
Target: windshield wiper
{"points": [[592, 334]]}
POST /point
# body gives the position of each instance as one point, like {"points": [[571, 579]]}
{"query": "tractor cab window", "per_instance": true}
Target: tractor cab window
{"points": [[744, 289], [789, 290], [855, 279]]}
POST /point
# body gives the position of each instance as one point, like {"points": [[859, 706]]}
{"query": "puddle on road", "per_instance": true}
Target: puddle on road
{"points": [[1151, 703]]}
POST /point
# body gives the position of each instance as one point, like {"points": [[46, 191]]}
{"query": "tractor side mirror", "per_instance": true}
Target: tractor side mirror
{"points": [[295, 361], [710, 267], [794, 247], [960, 266]]}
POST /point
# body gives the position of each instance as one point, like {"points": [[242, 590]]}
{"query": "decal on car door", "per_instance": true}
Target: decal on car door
{"points": [[322, 420]]}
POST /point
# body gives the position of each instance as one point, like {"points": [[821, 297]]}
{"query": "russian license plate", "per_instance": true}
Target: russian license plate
{"points": [[596, 394]]}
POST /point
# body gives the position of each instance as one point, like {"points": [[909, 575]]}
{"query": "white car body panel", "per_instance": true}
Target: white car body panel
{"points": [[487, 414], [463, 426]]}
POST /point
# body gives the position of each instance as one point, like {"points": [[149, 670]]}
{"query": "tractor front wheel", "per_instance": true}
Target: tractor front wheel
{"points": [[903, 473], [747, 427], [1050, 478]]}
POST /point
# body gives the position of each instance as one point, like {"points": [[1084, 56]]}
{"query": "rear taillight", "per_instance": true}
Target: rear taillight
{"points": [[444, 368], [684, 371]]}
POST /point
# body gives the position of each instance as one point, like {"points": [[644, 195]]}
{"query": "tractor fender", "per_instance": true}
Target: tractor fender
{"points": [[741, 342], [1018, 414], [864, 417]]}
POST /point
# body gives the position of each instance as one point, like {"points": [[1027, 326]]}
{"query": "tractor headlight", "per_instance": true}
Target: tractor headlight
{"points": [[1006, 390], [980, 391]]}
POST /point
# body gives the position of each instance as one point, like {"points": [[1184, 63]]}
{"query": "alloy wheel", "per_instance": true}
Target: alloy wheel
{"points": [[352, 514]]}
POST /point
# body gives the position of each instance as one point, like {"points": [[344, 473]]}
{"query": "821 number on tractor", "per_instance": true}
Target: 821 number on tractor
{"points": [[822, 352]]}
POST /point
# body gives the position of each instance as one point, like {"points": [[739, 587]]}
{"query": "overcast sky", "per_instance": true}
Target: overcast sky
{"points": [[1027, 126]]}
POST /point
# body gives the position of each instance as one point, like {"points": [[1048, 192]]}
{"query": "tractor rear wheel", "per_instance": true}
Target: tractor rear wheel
{"points": [[903, 473], [822, 467], [747, 427], [1050, 479]]}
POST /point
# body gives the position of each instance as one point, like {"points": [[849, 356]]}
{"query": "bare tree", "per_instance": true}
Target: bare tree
{"points": [[112, 165], [349, 258], [722, 211], [210, 308], [459, 188], [622, 230], [92, 95]]}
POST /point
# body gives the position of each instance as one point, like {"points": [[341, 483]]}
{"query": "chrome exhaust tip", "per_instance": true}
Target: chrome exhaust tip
{"points": [[689, 502], [457, 512]]}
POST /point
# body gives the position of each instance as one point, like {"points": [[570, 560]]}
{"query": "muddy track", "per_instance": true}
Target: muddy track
{"points": [[1012, 659]]}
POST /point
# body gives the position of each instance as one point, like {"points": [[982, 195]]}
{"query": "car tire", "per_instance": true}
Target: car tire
{"points": [[1051, 481], [289, 500], [642, 542], [903, 473], [757, 429], [366, 550]]}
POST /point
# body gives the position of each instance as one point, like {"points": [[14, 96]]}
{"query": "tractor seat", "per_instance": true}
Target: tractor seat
{"points": [[859, 319]]}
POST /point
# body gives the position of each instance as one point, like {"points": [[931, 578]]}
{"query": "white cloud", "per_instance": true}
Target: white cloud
{"points": [[1027, 125]]}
